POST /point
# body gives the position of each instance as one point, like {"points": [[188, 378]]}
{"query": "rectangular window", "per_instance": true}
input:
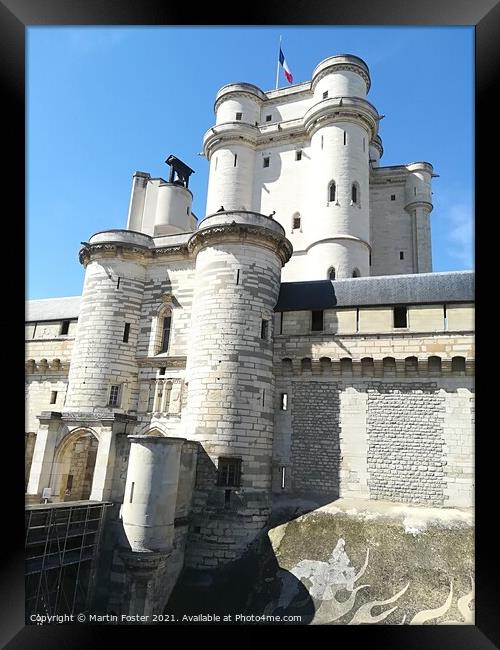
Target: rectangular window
{"points": [[165, 334], [281, 322], [162, 370], [400, 317], [235, 159], [322, 142], [357, 319], [369, 258], [64, 327], [187, 210], [126, 332], [118, 283], [284, 401], [237, 276], [263, 397], [317, 320], [296, 223], [132, 492], [325, 94], [53, 397], [283, 476], [345, 137], [268, 118], [364, 145], [445, 314], [69, 482], [401, 255], [298, 155], [239, 116], [265, 162], [264, 330], [229, 472], [114, 395], [393, 197]]}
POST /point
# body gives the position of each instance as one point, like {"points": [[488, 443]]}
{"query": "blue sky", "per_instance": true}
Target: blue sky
{"points": [[104, 102]]}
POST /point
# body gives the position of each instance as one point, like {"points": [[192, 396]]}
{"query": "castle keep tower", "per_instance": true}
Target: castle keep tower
{"points": [[230, 402]]}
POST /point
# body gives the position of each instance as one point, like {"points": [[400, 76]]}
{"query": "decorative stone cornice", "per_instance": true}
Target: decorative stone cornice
{"points": [[33, 366], [241, 232], [413, 205], [348, 67], [112, 249], [160, 362]]}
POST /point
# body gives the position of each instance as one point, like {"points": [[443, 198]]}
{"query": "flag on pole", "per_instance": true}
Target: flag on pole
{"points": [[285, 67]]}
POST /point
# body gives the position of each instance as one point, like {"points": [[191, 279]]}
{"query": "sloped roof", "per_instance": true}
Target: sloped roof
{"points": [[53, 309]]}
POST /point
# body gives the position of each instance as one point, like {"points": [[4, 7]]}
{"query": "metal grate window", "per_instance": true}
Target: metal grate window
{"points": [[229, 472]]}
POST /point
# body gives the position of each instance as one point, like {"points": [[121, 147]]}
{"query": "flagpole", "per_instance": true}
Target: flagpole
{"points": [[278, 67]]}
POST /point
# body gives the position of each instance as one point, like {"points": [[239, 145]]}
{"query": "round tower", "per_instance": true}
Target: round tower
{"points": [[103, 370], [418, 203], [230, 402], [229, 146], [341, 124]]}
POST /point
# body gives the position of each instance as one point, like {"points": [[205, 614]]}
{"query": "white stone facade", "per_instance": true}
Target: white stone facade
{"points": [[184, 358]]}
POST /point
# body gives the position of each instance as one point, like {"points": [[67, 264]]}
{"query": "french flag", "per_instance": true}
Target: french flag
{"points": [[285, 67]]}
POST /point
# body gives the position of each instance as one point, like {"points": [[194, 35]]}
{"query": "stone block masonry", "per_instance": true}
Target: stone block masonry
{"points": [[406, 455]]}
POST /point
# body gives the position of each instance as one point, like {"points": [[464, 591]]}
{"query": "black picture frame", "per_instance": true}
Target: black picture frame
{"points": [[15, 17]]}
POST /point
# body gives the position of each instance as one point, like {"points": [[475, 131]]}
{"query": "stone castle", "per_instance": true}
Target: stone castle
{"points": [[292, 344]]}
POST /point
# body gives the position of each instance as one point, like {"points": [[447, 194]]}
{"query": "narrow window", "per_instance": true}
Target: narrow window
{"points": [[118, 283], [332, 191], [370, 258], [393, 197], [356, 273], [263, 397], [415, 191], [354, 193], [264, 330], [322, 142], [269, 118], [132, 492], [216, 161], [284, 401], [331, 274], [345, 137], [187, 210], [165, 334], [364, 144], [401, 255], [296, 223], [281, 322], [126, 332], [458, 364], [239, 116], [265, 162], [237, 276], [357, 319], [53, 397], [325, 94], [400, 317], [114, 395], [235, 159], [229, 472], [69, 482], [162, 370], [298, 155], [445, 315], [317, 320], [283, 474], [64, 327]]}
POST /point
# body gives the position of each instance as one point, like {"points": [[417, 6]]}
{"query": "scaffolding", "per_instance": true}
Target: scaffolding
{"points": [[62, 543]]}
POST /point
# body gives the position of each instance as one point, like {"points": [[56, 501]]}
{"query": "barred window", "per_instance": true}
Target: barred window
{"points": [[229, 472]]}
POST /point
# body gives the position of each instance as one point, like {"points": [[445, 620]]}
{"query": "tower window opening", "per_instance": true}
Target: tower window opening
{"points": [[265, 162], [345, 137], [283, 476], [264, 329], [269, 118], [357, 319], [298, 155], [281, 322], [165, 333], [393, 197], [229, 472], [64, 328], [325, 94], [162, 370], [114, 395], [445, 317], [53, 397], [187, 210], [317, 320], [284, 401], [238, 276], [132, 491], [126, 332], [263, 397], [331, 273], [118, 283], [364, 144], [414, 191], [235, 159], [400, 317], [370, 258], [216, 161], [296, 223], [332, 191], [401, 255], [354, 193], [356, 273], [322, 142], [239, 116]]}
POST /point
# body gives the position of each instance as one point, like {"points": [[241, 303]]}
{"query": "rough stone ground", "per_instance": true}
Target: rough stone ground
{"points": [[350, 562]]}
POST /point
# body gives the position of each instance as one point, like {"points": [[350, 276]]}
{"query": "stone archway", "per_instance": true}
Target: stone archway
{"points": [[74, 466]]}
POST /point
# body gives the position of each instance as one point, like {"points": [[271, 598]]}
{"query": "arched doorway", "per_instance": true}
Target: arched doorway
{"points": [[74, 466]]}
